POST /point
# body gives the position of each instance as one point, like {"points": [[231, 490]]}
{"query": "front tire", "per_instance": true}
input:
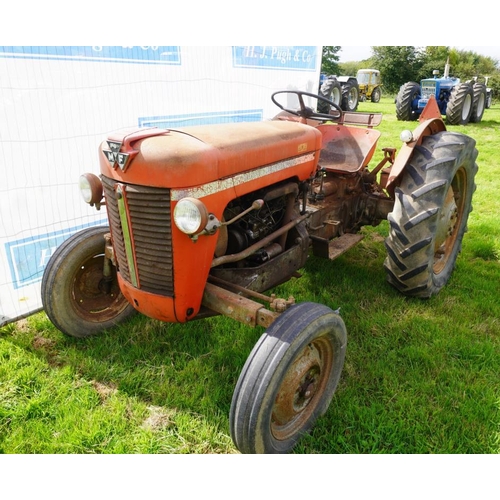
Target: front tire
{"points": [[405, 110], [459, 108], [74, 293], [288, 380], [429, 219]]}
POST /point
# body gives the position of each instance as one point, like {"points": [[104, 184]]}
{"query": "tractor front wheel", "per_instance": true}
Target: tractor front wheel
{"points": [[77, 297], [288, 380], [405, 111], [429, 219]]}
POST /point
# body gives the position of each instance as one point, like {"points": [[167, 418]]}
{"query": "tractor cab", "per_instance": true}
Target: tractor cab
{"points": [[368, 77]]}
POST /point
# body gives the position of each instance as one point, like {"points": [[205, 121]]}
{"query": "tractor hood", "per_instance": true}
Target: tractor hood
{"points": [[192, 156]]}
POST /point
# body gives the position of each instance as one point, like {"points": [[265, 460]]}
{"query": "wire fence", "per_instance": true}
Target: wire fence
{"points": [[57, 104]]}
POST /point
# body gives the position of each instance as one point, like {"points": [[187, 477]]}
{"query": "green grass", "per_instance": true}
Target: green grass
{"points": [[420, 376]]}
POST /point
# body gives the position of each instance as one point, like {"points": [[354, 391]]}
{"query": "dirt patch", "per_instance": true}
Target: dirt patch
{"points": [[104, 391], [159, 418], [43, 343], [377, 237], [22, 325]]}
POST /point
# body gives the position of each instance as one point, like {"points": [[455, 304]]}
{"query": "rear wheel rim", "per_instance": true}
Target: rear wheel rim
{"points": [[450, 220], [466, 107]]}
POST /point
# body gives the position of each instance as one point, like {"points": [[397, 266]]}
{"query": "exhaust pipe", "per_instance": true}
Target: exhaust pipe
{"points": [[447, 68]]}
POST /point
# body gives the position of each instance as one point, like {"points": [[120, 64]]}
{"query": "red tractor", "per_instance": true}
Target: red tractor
{"points": [[203, 220]]}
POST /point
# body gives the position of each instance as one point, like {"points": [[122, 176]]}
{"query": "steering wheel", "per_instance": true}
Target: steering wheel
{"points": [[305, 111]]}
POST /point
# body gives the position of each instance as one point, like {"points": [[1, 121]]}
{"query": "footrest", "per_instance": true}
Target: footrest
{"points": [[333, 248]]}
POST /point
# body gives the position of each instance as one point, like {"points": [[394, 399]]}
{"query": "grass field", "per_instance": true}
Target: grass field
{"points": [[420, 376]]}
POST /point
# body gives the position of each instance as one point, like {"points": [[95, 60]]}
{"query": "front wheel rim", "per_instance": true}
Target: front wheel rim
{"points": [[301, 388], [90, 299]]}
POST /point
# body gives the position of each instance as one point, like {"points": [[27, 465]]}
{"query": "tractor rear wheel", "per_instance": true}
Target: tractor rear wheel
{"points": [[479, 104], [75, 294], [404, 100], [288, 379], [429, 219], [350, 96], [376, 93], [332, 91], [459, 107], [489, 98]]}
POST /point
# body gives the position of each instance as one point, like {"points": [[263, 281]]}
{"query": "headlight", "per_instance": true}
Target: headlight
{"points": [[406, 136], [190, 215], [91, 189]]}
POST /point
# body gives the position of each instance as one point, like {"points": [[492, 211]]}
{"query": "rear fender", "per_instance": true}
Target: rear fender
{"points": [[347, 149], [431, 123]]}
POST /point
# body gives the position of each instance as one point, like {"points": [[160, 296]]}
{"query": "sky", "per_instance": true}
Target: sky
{"points": [[358, 53]]}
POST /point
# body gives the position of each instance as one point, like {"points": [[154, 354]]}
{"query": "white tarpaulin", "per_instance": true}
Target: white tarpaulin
{"points": [[58, 103]]}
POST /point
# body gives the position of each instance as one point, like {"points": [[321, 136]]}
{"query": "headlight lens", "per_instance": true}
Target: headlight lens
{"points": [[406, 136], [190, 215], [91, 188]]}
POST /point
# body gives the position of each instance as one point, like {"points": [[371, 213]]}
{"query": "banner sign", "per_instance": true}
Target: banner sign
{"points": [[27, 257], [301, 58], [149, 54], [58, 103]]}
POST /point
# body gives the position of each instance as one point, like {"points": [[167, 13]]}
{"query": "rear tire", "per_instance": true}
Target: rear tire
{"points": [[376, 94], [74, 294], [288, 379], [404, 100], [489, 98], [432, 205], [332, 91], [350, 96], [459, 109], [479, 104]]}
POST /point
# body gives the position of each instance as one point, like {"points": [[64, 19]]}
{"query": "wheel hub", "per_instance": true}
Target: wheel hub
{"points": [[94, 299], [300, 389], [447, 220]]}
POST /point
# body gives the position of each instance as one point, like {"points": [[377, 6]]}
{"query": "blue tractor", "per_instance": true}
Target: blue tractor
{"points": [[461, 102]]}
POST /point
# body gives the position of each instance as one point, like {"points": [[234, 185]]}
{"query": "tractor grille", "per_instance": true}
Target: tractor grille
{"points": [[150, 230], [428, 89]]}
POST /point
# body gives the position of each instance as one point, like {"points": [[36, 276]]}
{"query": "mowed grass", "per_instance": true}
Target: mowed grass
{"points": [[421, 376]]}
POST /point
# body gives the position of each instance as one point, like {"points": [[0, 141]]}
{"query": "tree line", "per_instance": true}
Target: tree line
{"points": [[401, 64]]}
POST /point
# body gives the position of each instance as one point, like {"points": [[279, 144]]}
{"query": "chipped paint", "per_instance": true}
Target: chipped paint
{"points": [[223, 184]]}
